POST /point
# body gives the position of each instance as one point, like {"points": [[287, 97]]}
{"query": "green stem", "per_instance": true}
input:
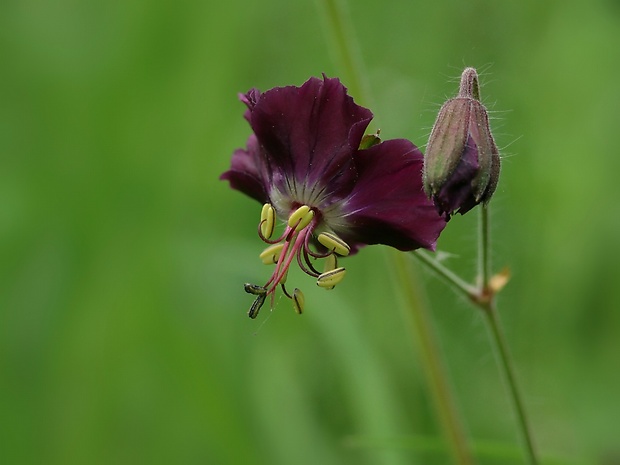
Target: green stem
{"points": [[487, 303], [344, 44], [421, 326], [345, 50], [484, 248], [505, 362], [451, 278]]}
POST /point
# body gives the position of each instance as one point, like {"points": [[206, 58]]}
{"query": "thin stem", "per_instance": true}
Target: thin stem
{"points": [[421, 326], [348, 57], [484, 248], [344, 44], [507, 366], [451, 278], [486, 302]]}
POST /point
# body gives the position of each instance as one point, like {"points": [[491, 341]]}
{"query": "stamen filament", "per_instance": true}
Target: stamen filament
{"points": [[275, 274], [270, 241], [294, 243], [306, 267], [283, 265], [283, 287], [312, 253]]}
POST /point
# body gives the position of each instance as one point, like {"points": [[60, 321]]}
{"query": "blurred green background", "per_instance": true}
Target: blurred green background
{"points": [[123, 328]]}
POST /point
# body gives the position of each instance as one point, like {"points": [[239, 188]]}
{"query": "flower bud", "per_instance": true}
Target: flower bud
{"points": [[461, 166]]}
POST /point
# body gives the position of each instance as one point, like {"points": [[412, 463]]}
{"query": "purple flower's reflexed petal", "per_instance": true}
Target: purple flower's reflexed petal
{"points": [[247, 171], [310, 133], [250, 100], [458, 193], [388, 205]]}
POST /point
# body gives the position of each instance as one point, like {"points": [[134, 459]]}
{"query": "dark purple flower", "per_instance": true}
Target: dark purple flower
{"points": [[462, 163], [305, 164]]}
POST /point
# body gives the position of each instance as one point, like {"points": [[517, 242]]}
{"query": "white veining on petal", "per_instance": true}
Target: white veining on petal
{"points": [[333, 215]]}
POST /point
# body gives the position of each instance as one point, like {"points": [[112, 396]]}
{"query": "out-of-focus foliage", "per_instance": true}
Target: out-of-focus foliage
{"points": [[123, 334]]}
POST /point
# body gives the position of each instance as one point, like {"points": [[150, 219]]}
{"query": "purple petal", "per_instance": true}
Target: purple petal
{"points": [[247, 171], [310, 134], [250, 100], [388, 205]]}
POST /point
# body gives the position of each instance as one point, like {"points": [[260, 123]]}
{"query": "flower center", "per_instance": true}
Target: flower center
{"points": [[295, 244]]}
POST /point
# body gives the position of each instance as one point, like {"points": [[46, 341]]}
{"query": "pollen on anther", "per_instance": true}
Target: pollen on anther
{"points": [[329, 279], [301, 218], [334, 243], [267, 220], [299, 301], [271, 254]]}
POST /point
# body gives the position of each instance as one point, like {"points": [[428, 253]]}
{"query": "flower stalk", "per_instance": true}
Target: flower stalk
{"points": [[507, 367], [484, 297], [487, 303], [484, 250], [430, 356], [450, 277], [342, 36]]}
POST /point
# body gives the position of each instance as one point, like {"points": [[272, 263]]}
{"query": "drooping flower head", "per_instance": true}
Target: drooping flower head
{"points": [[310, 165]]}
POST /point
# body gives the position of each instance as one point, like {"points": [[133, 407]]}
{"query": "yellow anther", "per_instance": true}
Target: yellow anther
{"points": [[329, 279], [271, 254], [334, 243], [300, 218], [267, 220], [299, 301], [331, 263]]}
